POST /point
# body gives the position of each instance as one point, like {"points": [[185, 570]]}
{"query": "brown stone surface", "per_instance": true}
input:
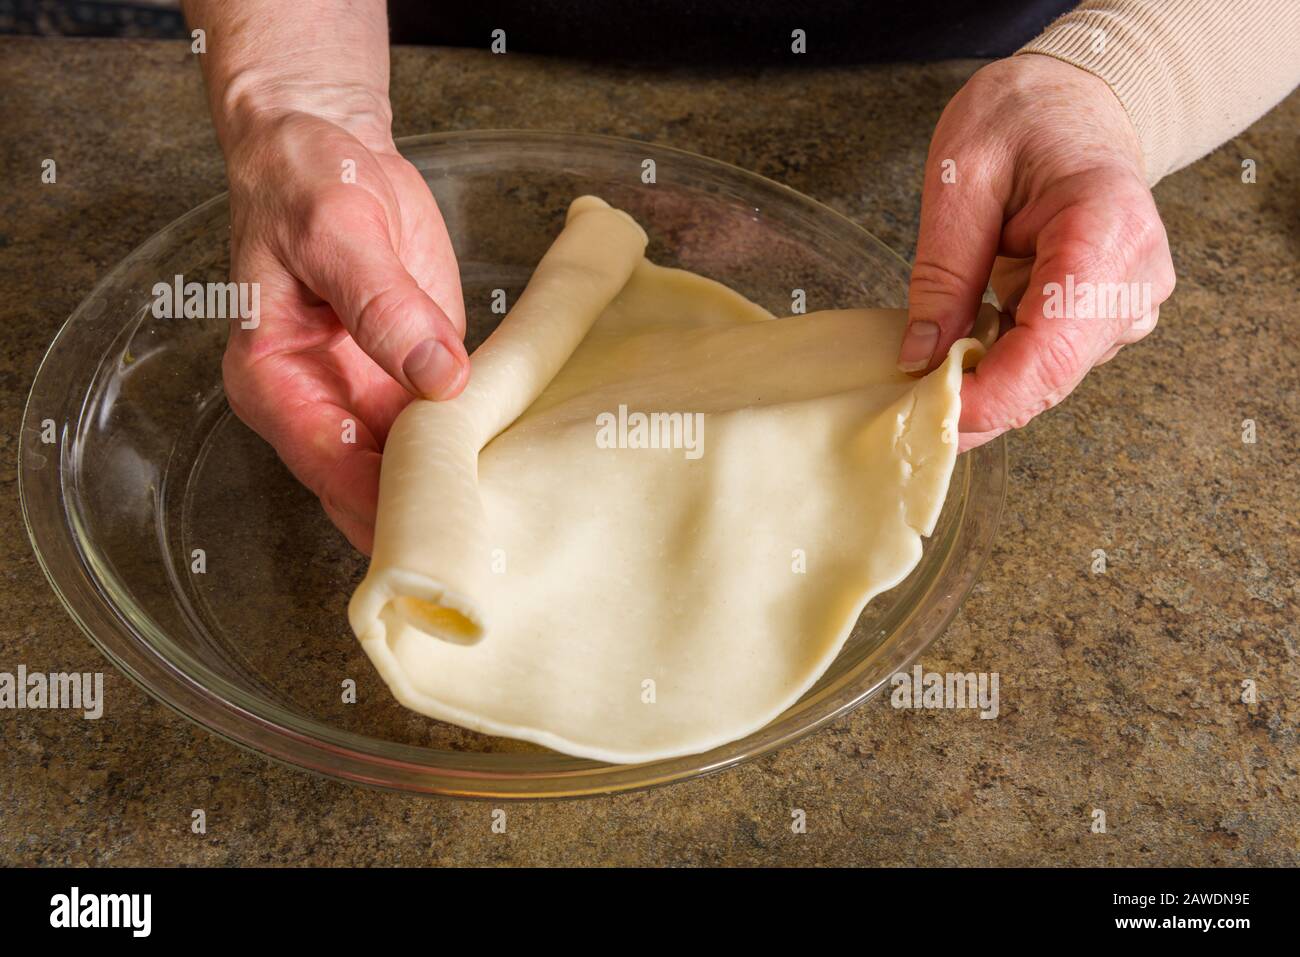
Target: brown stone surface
{"points": [[1119, 691]]}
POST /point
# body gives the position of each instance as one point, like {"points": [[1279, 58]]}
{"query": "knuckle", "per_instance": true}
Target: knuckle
{"points": [[1166, 279], [235, 383], [1110, 240], [1080, 246], [384, 317], [1059, 360], [231, 374], [933, 278], [1026, 415], [1142, 232], [328, 493], [1141, 327], [1026, 411], [376, 315]]}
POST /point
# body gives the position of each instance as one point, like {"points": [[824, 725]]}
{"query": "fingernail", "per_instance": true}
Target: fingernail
{"points": [[918, 346], [432, 369]]}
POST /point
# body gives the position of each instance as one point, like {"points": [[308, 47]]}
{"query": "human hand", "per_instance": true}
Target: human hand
{"points": [[1034, 182], [360, 305]]}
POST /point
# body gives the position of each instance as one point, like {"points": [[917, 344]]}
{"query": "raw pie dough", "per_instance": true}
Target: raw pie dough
{"points": [[632, 604]]}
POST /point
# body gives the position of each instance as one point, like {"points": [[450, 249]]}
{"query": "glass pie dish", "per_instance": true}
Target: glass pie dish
{"points": [[200, 568]]}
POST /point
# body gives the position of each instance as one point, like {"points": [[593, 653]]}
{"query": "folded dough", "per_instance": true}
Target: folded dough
{"points": [[630, 604]]}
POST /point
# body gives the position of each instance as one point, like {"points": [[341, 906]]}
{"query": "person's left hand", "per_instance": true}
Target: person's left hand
{"points": [[1035, 182]]}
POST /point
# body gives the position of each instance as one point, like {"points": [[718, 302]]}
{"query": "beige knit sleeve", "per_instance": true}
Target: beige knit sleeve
{"points": [[1191, 73]]}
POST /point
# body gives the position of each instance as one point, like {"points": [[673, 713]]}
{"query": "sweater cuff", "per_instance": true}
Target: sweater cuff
{"points": [[1106, 44], [1190, 74]]}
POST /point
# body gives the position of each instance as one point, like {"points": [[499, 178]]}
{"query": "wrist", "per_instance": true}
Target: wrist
{"points": [[249, 106], [1054, 117], [1096, 100]]}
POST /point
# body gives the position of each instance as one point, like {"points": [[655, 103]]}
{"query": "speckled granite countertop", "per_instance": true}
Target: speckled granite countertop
{"points": [[1119, 691]]}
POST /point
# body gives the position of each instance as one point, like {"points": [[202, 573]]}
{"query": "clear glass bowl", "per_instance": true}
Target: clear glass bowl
{"points": [[148, 464]]}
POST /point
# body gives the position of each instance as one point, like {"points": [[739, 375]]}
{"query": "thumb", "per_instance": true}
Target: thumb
{"points": [[392, 319], [961, 223]]}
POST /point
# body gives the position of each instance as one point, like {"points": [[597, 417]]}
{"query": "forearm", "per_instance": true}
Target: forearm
{"points": [[1191, 74], [269, 57]]}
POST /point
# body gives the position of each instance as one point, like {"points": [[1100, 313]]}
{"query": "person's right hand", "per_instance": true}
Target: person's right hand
{"points": [[360, 303]]}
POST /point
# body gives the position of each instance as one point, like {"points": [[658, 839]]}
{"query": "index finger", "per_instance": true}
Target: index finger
{"points": [[1052, 345]]}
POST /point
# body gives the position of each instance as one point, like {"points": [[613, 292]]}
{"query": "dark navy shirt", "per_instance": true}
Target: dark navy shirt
{"points": [[749, 32]]}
